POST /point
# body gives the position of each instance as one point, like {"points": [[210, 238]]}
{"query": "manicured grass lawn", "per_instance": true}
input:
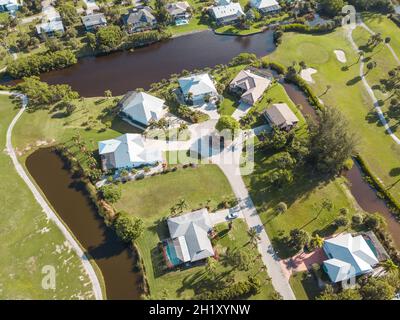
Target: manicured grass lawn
{"points": [[228, 105], [28, 241], [346, 93], [382, 24], [53, 126], [152, 198], [305, 286]]}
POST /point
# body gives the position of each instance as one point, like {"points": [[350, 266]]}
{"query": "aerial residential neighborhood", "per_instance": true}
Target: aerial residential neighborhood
{"points": [[200, 150]]}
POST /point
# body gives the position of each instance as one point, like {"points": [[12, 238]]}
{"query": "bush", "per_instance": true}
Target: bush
{"points": [[357, 219], [227, 123], [145, 38], [128, 227], [110, 193], [341, 222], [281, 207]]}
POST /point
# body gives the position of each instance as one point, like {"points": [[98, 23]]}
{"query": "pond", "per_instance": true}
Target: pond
{"points": [[124, 71], [70, 200]]}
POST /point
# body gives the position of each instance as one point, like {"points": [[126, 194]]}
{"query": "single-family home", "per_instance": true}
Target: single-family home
{"points": [[281, 116], [266, 6], [250, 86], [227, 14], [9, 5], [190, 240], [127, 151], [348, 257], [50, 28], [94, 21], [196, 88], [139, 20], [178, 10], [141, 108]]}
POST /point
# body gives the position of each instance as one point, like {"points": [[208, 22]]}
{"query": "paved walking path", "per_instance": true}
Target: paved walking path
{"points": [[42, 202], [371, 93]]}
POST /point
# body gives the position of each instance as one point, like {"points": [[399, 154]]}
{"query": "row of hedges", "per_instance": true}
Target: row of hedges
{"points": [[303, 85], [146, 38], [303, 28], [38, 63]]}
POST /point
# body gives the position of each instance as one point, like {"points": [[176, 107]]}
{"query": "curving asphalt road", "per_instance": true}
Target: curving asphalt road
{"points": [[42, 202]]}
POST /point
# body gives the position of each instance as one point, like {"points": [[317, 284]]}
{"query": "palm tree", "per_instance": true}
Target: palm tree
{"points": [[318, 241], [389, 265], [181, 205], [254, 236]]}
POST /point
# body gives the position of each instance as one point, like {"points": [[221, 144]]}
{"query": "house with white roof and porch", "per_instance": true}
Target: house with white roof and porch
{"points": [[190, 240], [196, 88], [127, 151], [140, 108], [227, 14], [348, 257], [266, 6]]}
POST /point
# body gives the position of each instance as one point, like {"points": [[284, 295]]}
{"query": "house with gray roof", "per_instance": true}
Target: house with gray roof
{"points": [[227, 14], [127, 151], [178, 10], [189, 233], [94, 21], [139, 20], [348, 257], [141, 108], [250, 86], [281, 116], [195, 88]]}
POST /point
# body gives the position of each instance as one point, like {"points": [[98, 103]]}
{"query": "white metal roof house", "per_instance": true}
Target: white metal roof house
{"points": [[94, 21], [178, 10], [251, 86], [281, 116], [196, 87], [140, 108], [266, 6], [189, 234], [127, 151], [348, 257], [139, 20], [9, 5], [227, 14]]}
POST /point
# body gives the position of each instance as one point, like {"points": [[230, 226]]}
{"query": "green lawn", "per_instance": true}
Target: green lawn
{"points": [[346, 93], [303, 198], [53, 126], [28, 241], [382, 24], [152, 198], [305, 286]]}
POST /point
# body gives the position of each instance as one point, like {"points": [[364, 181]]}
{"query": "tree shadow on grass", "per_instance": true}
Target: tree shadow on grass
{"points": [[353, 81]]}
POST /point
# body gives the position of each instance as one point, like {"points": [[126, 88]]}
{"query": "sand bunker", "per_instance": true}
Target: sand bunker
{"points": [[340, 55], [306, 74]]}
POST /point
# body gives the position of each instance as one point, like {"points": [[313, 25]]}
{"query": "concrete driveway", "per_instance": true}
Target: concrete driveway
{"points": [[222, 215]]}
